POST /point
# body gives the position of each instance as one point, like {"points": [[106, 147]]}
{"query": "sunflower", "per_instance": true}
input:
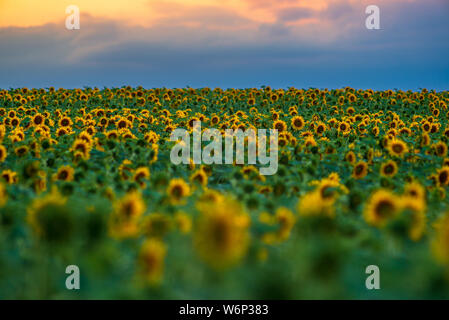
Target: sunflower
{"points": [[3, 195], [9, 176], [123, 123], [285, 219], [38, 119], [21, 151], [199, 177], [344, 128], [221, 235], [141, 174], [215, 120], [389, 169], [156, 225], [48, 217], [446, 162], [320, 128], [124, 220], [64, 173], [425, 139], [351, 98], [3, 153], [65, 122], [151, 261], [434, 128], [381, 207], [40, 182], [313, 204], [113, 134], [446, 132], [191, 122], [86, 137], [442, 176], [397, 147], [15, 122], [350, 157], [280, 125], [415, 207], [61, 132], [212, 196], [360, 170], [309, 141], [297, 122], [81, 147], [177, 190], [2, 132], [183, 222], [103, 121], [440, 149], [125, 169], [440, 243]]}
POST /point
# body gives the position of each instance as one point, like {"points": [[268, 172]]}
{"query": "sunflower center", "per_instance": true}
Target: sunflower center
{"points": [[384, 209], [397, 148]]}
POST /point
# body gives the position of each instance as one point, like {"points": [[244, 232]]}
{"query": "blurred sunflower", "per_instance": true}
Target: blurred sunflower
{"points": [[389, 169], [381, 207], [221, 234], [397, 148], [123, 222], [177, 190], [151, 261]]}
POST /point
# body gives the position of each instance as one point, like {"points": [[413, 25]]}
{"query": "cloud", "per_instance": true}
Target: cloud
{"points": [[409, 52], [294, 14], [205, 16]]}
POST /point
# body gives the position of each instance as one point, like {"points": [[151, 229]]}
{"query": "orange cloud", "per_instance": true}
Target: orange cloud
{"points": [[26, 13], [210, 14]]}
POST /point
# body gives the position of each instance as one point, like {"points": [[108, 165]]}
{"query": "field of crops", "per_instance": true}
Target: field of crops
{"points": [[87, 180]]}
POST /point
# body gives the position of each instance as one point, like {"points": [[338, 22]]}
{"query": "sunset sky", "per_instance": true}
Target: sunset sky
{"points": [[226, 43]]}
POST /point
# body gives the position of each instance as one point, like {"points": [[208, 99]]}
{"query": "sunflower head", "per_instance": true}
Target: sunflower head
{"points": [[389, 169], [440, 243], [199, 177], [9, 176], [442, 176], [221, 235], [382, 207], [440, 149], [127, 213], [151, 261], [280, 125], [397, 148], [49, 218], [3, 153], [360, 170], [350, 157], [64, 173], [141, 174], [297, 122], [177, 190]]}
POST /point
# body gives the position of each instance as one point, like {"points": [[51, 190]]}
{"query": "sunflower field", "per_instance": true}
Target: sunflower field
{"points": [[86, 180]]}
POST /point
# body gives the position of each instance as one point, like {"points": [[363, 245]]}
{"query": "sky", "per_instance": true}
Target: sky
{"points": [[225, 43]]}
